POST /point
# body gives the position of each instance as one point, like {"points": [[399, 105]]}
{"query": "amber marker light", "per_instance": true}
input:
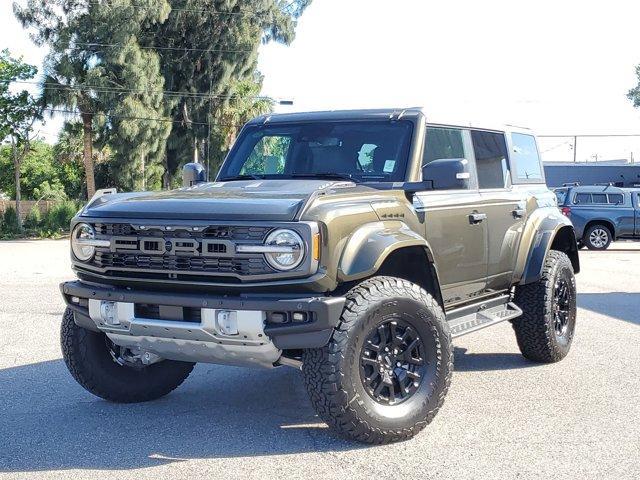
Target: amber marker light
{"points": [[315, 247]]}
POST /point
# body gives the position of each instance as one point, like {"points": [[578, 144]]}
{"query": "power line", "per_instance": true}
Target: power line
{"points": [[156, 47], [130, 117], [115, 89]]}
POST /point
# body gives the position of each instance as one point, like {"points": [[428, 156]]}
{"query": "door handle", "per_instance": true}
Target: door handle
{"points": [[475, 218], [519, 212]]}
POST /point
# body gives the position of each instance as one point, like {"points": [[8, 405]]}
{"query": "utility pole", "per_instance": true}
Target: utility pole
{"points": [[575, 147]]}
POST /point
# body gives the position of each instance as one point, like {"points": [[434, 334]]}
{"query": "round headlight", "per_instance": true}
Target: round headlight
{"points": [[291, 249], [81, 233]]}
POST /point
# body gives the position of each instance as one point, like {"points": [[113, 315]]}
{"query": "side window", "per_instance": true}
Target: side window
{"points": [[443, 143], [268, 156], [616, 198], [525, 160], [491, 159], [599, 198], [582, 198]]}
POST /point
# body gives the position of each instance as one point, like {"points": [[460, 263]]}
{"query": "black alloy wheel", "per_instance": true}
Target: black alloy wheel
{"points": [[562, 306], [392, 362]]}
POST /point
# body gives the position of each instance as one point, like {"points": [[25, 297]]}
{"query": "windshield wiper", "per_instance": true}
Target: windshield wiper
{"points": [[244, 176], [338, 176]]}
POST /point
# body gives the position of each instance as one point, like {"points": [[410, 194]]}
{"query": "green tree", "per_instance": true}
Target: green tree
{"points": [[211, 49], [244, 104], [18, 112], [152, 75], [96, 69]]}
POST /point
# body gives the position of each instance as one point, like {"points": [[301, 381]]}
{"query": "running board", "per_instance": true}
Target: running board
{"points": [[484, 317]]}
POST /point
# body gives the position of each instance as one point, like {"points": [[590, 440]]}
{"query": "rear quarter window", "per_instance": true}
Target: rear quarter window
{"points": [[525, 159], [616, 198]]}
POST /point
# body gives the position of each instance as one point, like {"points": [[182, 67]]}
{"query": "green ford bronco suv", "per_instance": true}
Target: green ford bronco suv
{"points": [[353, 245]]}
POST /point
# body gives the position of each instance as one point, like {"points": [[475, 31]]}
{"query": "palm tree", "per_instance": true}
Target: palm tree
{"points": [[66, 93], [243, 105]]}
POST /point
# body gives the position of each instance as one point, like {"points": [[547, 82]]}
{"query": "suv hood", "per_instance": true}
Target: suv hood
{"points": [[274, 200]]}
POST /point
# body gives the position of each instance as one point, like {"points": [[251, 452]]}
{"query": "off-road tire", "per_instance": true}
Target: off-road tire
{"points": [[536, 328], [586, 239], [332, 373], [87, 357]]}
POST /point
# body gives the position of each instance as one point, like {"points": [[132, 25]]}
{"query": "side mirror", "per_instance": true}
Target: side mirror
{"points": [[447, 173], [192, 174]]}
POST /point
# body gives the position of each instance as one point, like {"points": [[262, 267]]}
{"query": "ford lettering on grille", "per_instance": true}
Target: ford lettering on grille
{"points": [[191, 247]]}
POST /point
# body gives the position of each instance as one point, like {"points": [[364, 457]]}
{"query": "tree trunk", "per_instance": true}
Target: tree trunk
{"points": [[16, 165], [166, 176], [87, 130]]}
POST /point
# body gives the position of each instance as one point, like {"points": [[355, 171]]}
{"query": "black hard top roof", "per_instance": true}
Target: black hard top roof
{"points": [[337, 115]]}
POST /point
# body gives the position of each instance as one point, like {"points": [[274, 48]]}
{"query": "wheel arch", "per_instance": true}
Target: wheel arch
{"points": [[561, 238], [390, 249], [600, 221]]}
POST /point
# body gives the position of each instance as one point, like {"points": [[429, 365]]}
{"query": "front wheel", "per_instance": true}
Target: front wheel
{"points": [[93, 362], [545, 329], [387, 368]]}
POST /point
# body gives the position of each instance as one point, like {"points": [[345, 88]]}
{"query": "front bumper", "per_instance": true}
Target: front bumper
{"points": [[258, 342]]}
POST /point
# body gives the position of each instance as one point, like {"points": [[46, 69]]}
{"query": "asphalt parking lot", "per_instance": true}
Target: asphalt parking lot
{"points": [[504, 417]]}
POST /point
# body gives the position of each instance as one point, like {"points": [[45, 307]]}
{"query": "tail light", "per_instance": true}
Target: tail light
{"points": [[566, 211]]}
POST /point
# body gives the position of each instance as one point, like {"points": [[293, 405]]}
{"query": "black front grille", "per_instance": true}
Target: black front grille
{"points": [[167, 251], [239, 266]]}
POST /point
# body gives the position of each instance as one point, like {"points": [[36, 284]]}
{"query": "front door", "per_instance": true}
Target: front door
{"points": [[455, 227]]}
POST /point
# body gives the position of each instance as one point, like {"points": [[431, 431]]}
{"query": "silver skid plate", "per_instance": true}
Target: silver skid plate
{"points": [[190, 341]]}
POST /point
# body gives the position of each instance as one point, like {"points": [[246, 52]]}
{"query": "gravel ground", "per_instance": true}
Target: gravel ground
{"points": [[504, 417]]}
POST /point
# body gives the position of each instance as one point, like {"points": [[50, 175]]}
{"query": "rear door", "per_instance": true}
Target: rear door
{"points": [[504, 205], [458, 242]]}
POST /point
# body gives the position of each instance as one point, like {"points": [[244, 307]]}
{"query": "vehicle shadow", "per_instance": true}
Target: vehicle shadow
{"points": [[50, 423], [623, 306], [483, 362]]}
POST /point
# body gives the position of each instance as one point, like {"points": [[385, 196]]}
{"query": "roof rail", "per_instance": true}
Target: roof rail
{"points": [[571, 184]]}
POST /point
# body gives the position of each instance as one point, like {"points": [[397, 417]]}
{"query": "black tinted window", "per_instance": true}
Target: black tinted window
{"points": [[443, 143], [599, 198], [582, 198], [525, 160], [616, 198], [491, 159]]}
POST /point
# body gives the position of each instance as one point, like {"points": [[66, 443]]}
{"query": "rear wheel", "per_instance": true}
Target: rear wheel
{"points": [[597, 237], [104, 370], [545, 329], [387, 368]]}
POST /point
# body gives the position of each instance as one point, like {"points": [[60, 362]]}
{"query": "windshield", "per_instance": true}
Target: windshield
{"points": [[361, 151]]}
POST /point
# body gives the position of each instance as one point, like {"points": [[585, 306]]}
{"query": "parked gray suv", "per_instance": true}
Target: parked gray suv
{"points": [[601, 214]]}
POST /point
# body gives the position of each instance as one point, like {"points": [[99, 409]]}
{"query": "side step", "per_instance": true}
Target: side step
{"points": [[484, 317]]}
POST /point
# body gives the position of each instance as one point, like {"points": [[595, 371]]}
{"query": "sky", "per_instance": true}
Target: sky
{"points": [[558, 67]]}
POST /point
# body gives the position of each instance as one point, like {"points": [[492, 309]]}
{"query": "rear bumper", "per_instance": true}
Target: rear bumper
{"points": [[323, 314]]}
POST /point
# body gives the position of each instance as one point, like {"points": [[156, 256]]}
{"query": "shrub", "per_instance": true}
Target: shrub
{"points": [[33, 219], [9, 224], [57, 219]]}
